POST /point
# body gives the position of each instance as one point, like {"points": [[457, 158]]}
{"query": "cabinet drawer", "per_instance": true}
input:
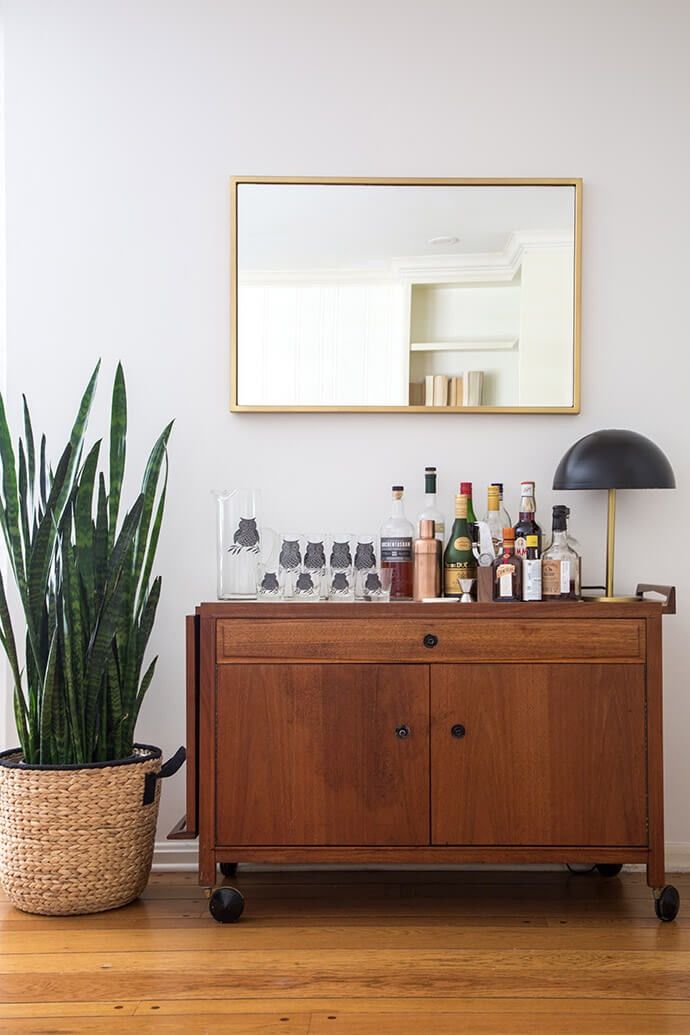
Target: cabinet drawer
{"points": [[500, 639]]}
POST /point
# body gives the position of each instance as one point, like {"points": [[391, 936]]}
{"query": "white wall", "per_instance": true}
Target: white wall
{"points": [[125, 120]]}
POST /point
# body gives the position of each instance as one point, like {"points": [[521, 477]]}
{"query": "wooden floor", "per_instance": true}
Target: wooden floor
{"points": [[368, 953]]}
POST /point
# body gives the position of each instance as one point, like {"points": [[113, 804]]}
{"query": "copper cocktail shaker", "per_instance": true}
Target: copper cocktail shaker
{"points": [[427, 561]]}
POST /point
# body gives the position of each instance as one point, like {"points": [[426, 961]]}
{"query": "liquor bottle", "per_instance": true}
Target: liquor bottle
{"points": [[508, 570], [396, 547], [493, 518], [526, 524], [560, 563], [430, 510], [505, 516], [531, 570], [466, 490], [458, 560], [427, 550]]}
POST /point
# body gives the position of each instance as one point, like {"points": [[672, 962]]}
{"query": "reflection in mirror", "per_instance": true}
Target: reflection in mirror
{"points": [[394, 295]]}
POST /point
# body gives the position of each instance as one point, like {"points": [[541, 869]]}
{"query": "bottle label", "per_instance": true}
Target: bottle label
{"points": [[531, 585], [440, 530], [452, 573], [505, 573], [521, 546], [463, 543], [551, 578], [565, 576], [396, 549]]}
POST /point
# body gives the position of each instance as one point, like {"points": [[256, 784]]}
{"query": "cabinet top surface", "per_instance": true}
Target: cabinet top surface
{"points": [[412, 609]]}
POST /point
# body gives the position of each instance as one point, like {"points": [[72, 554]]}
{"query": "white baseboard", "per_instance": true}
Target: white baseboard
{"points": [[182, 855]]}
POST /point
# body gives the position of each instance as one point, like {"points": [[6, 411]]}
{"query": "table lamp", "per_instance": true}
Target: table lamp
{"points": [[613, 459]]}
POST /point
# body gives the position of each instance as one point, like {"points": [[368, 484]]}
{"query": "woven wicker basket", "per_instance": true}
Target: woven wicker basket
{"points": [[78, 839]]}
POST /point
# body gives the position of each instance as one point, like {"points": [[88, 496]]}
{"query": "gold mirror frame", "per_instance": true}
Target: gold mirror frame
{"points": [[575, 182]]}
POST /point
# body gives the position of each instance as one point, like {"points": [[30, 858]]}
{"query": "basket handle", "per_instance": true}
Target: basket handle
{"points": [[167, 769]]}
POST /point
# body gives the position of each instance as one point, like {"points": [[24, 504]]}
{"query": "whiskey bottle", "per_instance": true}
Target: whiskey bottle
{"points": [[493, 518], [560, 563], [396, 547], [531, 570], [508, 570], [526, 523], [430, 510], [458, 560]]}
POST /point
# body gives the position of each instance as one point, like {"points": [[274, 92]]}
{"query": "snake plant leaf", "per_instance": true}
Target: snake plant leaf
{"points": [[8, 641], [22, 483], [153, 538], [42, 484], [30, 448], [94, 677], [100, 539], [10, 502], [84, 526], [118, 439], [149, 489], [44, 541], [48, 702]]}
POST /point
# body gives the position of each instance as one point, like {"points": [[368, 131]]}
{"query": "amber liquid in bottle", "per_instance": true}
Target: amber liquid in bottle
{"points": [[526, 523], [508, 570]]}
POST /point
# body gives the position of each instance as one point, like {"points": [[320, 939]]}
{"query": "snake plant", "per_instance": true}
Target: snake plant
{"points": [[83, 574]]}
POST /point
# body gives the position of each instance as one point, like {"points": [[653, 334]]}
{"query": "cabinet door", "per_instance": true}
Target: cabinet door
{"points": [[311, 755], [551, 755]]}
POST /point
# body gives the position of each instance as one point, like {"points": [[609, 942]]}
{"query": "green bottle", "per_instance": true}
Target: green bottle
{"points": [[458, 560]]}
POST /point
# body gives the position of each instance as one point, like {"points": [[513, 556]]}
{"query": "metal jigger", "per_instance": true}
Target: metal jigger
{"points": [[466, 587]]}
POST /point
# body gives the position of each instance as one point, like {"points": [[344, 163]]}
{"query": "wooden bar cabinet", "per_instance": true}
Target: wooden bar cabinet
{"points": [[425, 733]]}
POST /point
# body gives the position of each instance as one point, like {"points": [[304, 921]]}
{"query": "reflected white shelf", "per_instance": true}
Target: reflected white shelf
{"points": [[465, 345]]}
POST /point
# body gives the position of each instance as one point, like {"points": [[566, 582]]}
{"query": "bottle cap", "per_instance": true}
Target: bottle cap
{"points": [[466, 488], [508, 533], [532, 541], [429, 470], [427, 528], [499, 486], [398, 488], [527, 488]]}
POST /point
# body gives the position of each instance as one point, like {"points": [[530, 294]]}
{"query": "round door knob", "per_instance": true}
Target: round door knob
{"points": [[458, 730], [402, 731], [430, 640]]}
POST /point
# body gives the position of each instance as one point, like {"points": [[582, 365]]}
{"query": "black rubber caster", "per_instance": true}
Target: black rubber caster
{"points": [[226, 905], [609, 869], [228, 869], [667, 903]]}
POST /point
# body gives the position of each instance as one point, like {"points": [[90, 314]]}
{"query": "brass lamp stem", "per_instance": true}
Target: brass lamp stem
{"points": [[610, 542]]}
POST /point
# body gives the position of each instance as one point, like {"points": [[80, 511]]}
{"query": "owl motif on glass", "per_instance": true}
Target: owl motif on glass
{"points": [[246, 537]]}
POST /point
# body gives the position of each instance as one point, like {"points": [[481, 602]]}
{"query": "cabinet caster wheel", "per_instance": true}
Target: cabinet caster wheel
{"points": [[228, 869], [667, 902], [226, 905], [609, 869]]}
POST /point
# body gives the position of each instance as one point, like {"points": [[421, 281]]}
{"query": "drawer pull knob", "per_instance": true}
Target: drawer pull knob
{"points": [[430, 640], [458, 730], [402, 731]]}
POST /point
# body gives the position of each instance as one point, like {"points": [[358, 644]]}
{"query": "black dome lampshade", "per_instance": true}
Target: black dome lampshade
{"points": [[614, 459]]}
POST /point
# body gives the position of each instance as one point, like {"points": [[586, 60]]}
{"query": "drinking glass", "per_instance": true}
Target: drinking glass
{"points": [[292, 547], [307, 585], [375, 585], [341, 584], [268, 585]]}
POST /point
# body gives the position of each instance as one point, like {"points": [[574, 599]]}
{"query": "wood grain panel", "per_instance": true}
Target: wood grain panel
{"points": [[553, 755], [308, 754], [403, 640]]}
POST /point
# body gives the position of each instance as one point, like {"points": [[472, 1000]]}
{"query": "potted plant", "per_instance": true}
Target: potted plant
{"points": [[78, 798]]}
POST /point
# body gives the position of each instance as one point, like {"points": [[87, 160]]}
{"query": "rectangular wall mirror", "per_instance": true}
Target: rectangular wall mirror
{"points": [[406, 295]]}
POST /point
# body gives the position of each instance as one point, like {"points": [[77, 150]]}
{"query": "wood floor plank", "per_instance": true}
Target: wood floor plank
{"points": [[214, 937], [210, 1024], [557, 1022], [551, 974]]}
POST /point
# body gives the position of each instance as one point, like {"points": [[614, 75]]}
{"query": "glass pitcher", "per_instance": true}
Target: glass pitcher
{"points": [[243, 544]]}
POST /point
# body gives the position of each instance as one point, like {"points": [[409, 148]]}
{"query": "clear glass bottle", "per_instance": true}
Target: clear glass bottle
{"points": [[396, 547], [560, 563], [505, 516], [526, 524], [531, 570], [430, 511], [508, 570], [493, 518]]}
